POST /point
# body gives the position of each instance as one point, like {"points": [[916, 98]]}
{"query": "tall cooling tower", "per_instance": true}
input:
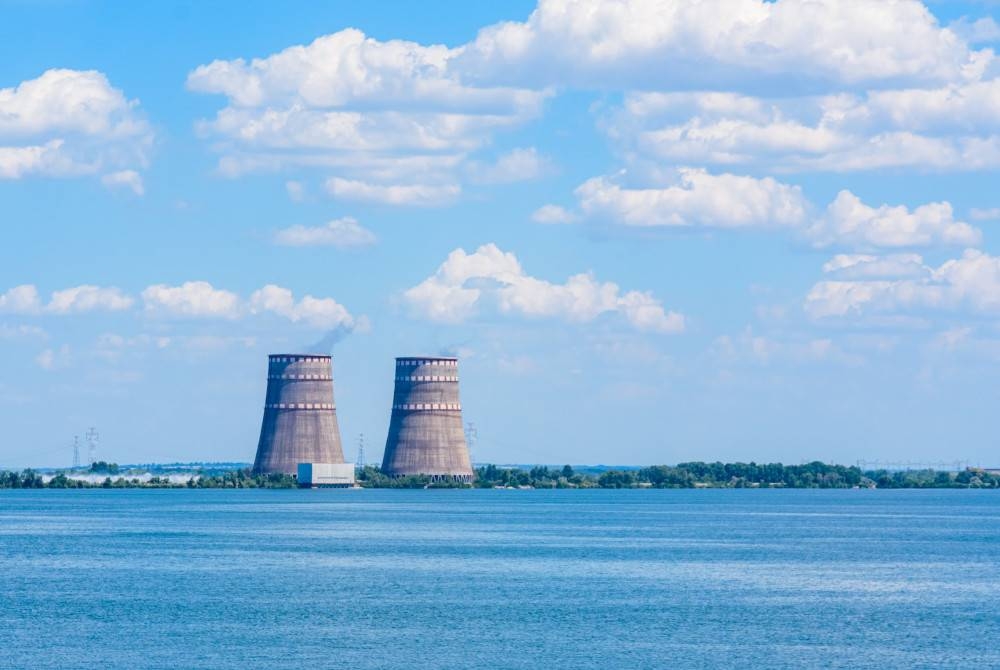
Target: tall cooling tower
{"points": [[425, 431], [300, 417]]}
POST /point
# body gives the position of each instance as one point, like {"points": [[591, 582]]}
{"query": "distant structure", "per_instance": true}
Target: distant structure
{"points": [[471, 435], [300, 416], [92, 437], [360, 464], [76, 452], [425, 431]]}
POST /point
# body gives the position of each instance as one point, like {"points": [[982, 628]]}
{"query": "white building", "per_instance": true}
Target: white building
{"points": [[326, 475]]}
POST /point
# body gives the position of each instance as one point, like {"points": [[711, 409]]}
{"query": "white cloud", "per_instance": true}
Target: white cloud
{"points": [[22, 299], [751, 347], [664, 43], [54, 359], [341, 233], [25, 299], [867, 266], [553, 214], [952, 127], [70, 123], [392, 194], [515, 165], [389, 120], [465, 283], [970, 283], [191, 299], [849, 222], [701, 199], [88, 299], [988, 214], [697, 199], [324, 313], [129, 179], [355, 104]]}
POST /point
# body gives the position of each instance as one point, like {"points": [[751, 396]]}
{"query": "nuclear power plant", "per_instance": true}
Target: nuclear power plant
{"points": [[300, 415], [300, 436], [425, 428]]}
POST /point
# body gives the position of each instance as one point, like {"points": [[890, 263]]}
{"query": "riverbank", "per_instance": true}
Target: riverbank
{"points": [[693, 475]]}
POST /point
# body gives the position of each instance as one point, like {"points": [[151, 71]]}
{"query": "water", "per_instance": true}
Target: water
{"points": [[505, 579]]}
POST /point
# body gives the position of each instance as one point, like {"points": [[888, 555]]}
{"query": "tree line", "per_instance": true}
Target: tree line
{"points": [[681, 476], [242, 478]]}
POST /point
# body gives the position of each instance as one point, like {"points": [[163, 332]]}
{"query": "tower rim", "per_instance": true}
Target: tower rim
{"points": [[301, 354], [426, 358]]}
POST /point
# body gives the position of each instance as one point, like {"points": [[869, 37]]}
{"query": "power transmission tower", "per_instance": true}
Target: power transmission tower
{"points": [[471, 435], [360, 464], [76, 452], [92, 437]]}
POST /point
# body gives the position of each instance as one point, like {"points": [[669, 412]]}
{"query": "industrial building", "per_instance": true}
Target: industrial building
{"points": [[326, 475], [425, 428], [300, 415]]}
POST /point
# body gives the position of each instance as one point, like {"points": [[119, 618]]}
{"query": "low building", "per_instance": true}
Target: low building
{"points": [[326, 475]]}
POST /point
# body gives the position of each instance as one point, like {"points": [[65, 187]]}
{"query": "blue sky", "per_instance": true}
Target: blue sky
{"points": [[654, 231]]}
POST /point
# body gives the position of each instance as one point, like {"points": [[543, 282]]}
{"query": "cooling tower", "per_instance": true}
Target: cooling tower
{"points": [[425, 431], [300, 417]]}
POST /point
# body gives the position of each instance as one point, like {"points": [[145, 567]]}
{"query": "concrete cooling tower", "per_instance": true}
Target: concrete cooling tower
{"points": [[300, 416], [425, 431]]}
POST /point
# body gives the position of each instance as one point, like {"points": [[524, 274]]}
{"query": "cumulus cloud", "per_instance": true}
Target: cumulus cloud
{"points": [[553, 214], [701, 199], [88, 299], [697, 199], [951, 127], [319, 312], [22, 299], [489, 277], [70, 123], [358, 106], [392, 194], [866, 266], [515, 165], [199, 299], [341, 233], [970, 283], [722, 42], [850, 222], [129, 179], [394, 118], [25, 299], [191, 299]]}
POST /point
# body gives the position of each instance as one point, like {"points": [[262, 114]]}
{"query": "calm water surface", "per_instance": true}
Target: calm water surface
{"points": [[505, 579]]}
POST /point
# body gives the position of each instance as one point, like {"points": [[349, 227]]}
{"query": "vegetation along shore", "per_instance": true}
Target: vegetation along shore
{"points": [[681, 476]]}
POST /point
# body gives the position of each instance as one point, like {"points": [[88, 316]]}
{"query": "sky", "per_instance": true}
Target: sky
{"points": [[653, 231]]}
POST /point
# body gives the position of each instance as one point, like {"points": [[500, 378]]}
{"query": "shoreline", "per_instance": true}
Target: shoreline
{"points": [[693, 475]]}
